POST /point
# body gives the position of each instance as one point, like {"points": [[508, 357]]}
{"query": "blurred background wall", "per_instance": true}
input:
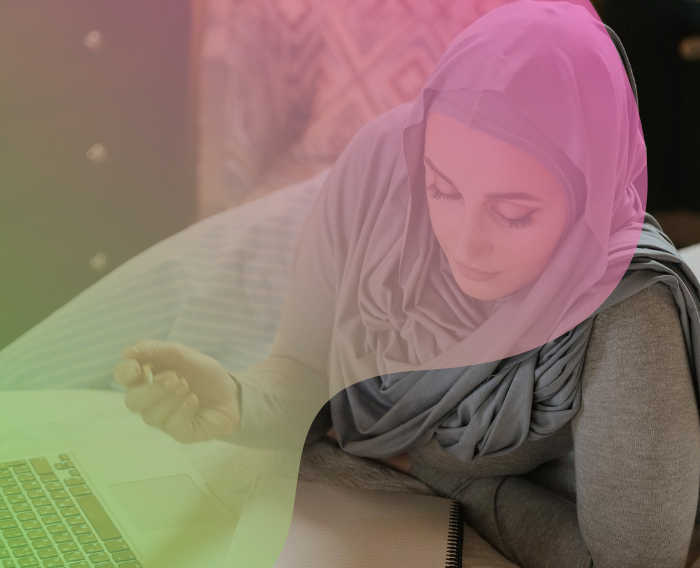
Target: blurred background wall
{"points": [[122, 123]]}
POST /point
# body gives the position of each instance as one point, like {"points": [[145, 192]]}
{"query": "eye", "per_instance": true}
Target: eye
{"points": [[517, 223], [440, 196]]}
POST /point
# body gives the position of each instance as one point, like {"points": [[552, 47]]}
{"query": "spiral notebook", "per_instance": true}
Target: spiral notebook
{"points": [[346, 527]]}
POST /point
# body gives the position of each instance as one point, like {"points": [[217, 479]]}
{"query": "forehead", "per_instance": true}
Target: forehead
{"points": [[458, 150]]}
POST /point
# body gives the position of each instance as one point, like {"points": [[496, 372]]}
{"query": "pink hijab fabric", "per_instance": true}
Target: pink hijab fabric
{"points": [[411, 356]]}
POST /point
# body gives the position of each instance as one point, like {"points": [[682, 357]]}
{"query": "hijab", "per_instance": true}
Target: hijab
{"points": [[412, 356]]}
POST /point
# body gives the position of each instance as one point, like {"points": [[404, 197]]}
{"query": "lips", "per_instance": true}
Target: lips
{"points": [[473, 274]]}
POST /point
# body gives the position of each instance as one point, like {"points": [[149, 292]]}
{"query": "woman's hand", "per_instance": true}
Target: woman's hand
{"points": [[192, 399], [401, 462]]}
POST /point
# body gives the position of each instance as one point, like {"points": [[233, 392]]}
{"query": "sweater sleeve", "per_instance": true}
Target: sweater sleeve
{"points": [[284, 396]]}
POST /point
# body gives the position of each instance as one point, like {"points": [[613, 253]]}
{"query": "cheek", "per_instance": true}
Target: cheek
{"points": [[532, 248]]}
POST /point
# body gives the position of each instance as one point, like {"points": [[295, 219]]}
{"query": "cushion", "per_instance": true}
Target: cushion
{"points": [[218, 286], [377, 54]]}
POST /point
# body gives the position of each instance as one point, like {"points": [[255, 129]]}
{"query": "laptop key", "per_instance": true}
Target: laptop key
{"points": [[49, 478], [41, 502], [8, 563], [14, 499], [35, 493], [63, 503], [80, 490], [87, 538], [4, 515], [43, 511], [42, 543], [81, 529], [58, 528], [62, 537], [99, 557], [68, 547], [70, 511], [74, 472], [41, 466], [123, 556], [74, 481], [7, 482], [116, 545], [92, 548], [63, 457], [60, 494], [17, 542], [33, 535], [53, 563], [98, 517], [4, 472], [79, 565], [73, 556], [53, 486], [12, 533], [132, 564], [26, 477], [26, 517], [24, 551], [27, 562], [21, 507], [31, 525], [76, 520], [8, 525], [47, 553], [30, 485], [4, 553], [22, 469], [51, 519]]}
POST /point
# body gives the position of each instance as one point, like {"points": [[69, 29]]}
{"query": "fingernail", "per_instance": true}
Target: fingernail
{"points": [[191, 402], [170, 382], [136, 368]]}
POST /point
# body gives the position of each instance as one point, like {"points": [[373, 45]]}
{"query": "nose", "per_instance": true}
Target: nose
{"points": [[473, 238]]}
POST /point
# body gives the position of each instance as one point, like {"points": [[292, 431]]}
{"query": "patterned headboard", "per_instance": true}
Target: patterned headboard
{"points": [[285, 84]]}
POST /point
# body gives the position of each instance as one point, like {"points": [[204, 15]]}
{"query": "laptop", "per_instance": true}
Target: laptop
{"points": [[124, 500]]}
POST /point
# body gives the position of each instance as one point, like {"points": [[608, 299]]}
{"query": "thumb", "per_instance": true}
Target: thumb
{"points": [[164, 354]]}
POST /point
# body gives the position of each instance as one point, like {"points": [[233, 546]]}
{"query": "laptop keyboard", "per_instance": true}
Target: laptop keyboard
{"points": [[49, 518]]}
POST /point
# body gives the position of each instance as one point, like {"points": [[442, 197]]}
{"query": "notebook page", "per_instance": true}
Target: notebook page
{"points": [[348, 527]]}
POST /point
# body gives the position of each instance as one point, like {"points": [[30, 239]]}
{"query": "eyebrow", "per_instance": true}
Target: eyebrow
{"points": [[519, 195]]}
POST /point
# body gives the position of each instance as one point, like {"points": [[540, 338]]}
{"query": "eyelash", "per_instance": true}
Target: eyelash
{"points": [[521, 223]]}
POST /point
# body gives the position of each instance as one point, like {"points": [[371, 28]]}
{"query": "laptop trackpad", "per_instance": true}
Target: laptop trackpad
{"points": [[164, 503]]}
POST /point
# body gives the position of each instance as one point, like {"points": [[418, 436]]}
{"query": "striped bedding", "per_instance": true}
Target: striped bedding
{"points": [[218, 286]]}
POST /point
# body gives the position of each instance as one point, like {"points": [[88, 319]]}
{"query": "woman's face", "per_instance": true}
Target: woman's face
{"points": [[493, 208]]}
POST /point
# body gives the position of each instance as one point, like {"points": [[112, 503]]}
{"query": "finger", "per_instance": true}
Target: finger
{"points": [[141, 397], [157, 414], [164, 354], [180, 424], [128, 373]]}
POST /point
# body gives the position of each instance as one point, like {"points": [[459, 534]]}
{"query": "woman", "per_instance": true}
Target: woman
{"points": [[522, 157]]}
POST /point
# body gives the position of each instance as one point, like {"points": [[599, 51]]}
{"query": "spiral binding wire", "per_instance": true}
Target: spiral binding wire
{"points": [[455, 535]]}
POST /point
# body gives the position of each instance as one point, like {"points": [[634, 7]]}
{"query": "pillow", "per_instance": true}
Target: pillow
{"points": [[377, 54], [218, 286], [258, 72]]}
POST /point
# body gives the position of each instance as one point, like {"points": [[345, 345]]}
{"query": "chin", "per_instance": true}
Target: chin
{"points": [[482, 292]]}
